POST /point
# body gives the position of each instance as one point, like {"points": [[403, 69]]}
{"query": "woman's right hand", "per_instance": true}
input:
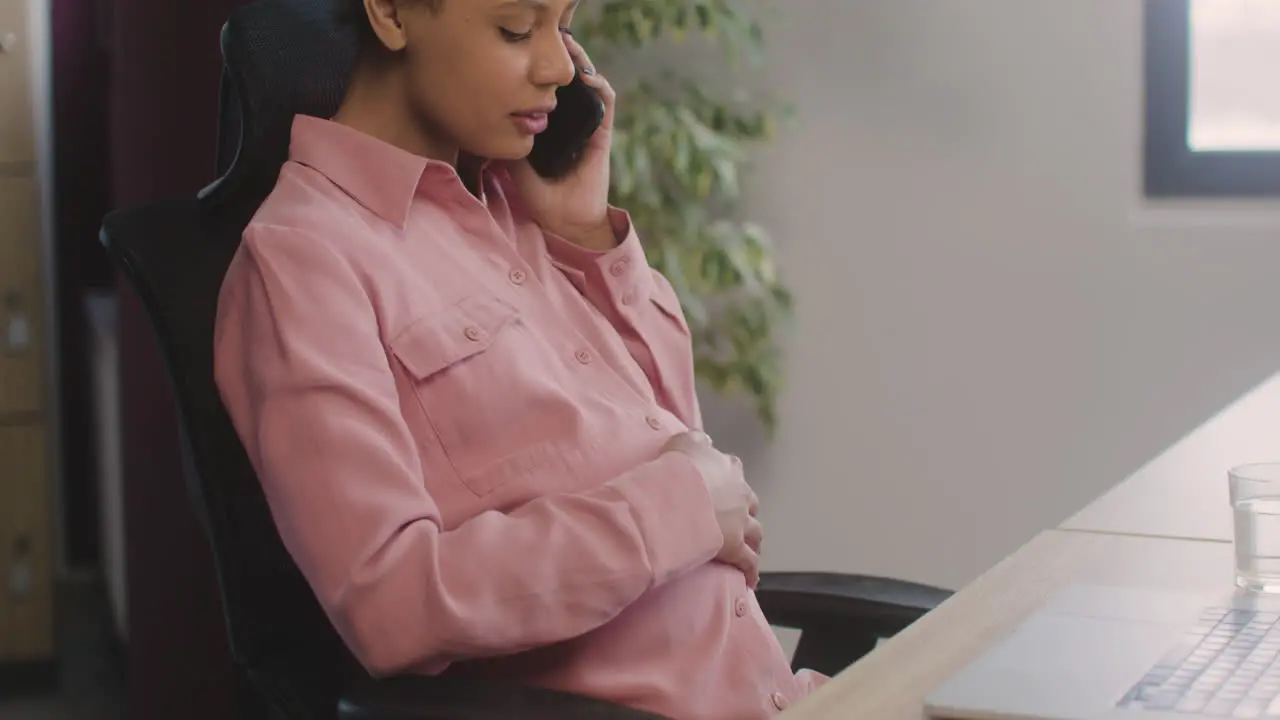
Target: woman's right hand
{"points": [[735, 502]]}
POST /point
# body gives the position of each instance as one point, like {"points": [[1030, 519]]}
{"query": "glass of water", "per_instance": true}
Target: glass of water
{"points": [[1255, 499]]}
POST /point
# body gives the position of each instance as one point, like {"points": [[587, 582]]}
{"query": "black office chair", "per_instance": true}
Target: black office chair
{"points": [[284, 57]]}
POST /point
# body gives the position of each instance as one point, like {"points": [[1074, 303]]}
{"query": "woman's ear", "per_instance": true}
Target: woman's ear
{"points": [[384, 17]]}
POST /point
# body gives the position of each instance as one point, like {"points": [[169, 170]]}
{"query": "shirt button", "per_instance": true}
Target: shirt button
{"points": [[779, 701], [654, 422], [473, 333], [628, 298], [618, 267], [517, 277], [583, 357], [740, 607]]}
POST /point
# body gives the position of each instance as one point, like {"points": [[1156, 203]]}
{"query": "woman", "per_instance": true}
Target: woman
{"points": [[469, 399]]}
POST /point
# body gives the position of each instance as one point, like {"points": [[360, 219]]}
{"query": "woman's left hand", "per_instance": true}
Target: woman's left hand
{"points": [[576, 206]]}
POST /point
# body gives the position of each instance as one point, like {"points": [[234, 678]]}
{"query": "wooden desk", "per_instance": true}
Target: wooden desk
{"points": [[1166, 526], [892, 682], [1183, 492]]}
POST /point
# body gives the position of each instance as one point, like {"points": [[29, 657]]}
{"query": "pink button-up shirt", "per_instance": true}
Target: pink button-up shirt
{"points": [[457, 420]]}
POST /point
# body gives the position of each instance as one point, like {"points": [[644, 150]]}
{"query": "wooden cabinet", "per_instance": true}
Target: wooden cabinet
{"points": [[22, 332], [26, 555], [26, 418], [26, 583], [17, 132]]}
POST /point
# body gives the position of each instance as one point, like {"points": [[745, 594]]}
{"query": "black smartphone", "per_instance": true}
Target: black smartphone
{"points": [[578, 114]]}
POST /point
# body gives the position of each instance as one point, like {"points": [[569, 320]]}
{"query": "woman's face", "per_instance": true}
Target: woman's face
{"points": [[482, 74]]}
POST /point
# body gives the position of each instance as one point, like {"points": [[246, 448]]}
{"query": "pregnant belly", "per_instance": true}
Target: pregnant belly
{"points": [[698, 640]]}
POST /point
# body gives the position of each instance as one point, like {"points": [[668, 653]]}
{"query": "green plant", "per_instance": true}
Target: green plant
{"points": [[678, 158]]}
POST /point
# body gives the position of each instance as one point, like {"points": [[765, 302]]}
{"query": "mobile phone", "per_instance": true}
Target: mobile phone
{"points": [[578, 114]]}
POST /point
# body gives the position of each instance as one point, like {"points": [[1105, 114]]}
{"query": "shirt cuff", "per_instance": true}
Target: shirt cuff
{"points": [[622, 272], [676, 516]]}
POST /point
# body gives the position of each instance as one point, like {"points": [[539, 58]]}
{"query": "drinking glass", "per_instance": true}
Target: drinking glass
{"points": [[1255, 500]]}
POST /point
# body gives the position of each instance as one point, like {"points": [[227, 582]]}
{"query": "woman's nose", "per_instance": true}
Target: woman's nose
{"points": [[555, 64]]}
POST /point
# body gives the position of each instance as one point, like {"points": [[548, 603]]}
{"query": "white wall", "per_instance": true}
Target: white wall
{"points": [[994, 327]]}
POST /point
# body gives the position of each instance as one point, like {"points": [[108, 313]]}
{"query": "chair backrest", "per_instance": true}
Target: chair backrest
{"points": [[281, 57]]}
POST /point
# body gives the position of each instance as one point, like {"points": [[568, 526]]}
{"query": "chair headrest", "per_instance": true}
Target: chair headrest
{"points": [[281, 58]]}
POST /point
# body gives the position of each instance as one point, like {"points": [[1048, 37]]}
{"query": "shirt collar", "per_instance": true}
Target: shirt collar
{"points": [[377, 174]]}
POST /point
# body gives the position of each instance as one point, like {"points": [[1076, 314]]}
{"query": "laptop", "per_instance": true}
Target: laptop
{"points": [[1124, 653]]}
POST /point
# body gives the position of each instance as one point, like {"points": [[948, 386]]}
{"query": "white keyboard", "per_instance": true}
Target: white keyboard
{"points": [[1225, 666]]}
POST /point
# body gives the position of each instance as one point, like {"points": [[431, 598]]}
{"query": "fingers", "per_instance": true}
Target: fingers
{"points": [[593, 79], [744, 553], [753, 536], [578, 53], [748, 561], [688, 441], [753, 500]]}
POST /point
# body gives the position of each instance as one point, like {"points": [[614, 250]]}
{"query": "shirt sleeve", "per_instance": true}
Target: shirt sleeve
{"points": [[642, 307], [308, 384]]}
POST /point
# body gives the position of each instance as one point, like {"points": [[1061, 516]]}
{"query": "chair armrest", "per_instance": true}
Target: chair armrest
{"points": [[434, 698], [879, 606]]}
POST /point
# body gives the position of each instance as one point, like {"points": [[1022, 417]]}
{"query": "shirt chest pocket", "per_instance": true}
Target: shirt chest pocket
{"points": [[493, 393]]}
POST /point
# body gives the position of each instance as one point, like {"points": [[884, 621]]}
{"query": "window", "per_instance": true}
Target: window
{"points": [[1212, 98]]}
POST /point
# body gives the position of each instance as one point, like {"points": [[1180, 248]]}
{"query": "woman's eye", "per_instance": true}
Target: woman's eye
{"points": [[513, 36]]}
